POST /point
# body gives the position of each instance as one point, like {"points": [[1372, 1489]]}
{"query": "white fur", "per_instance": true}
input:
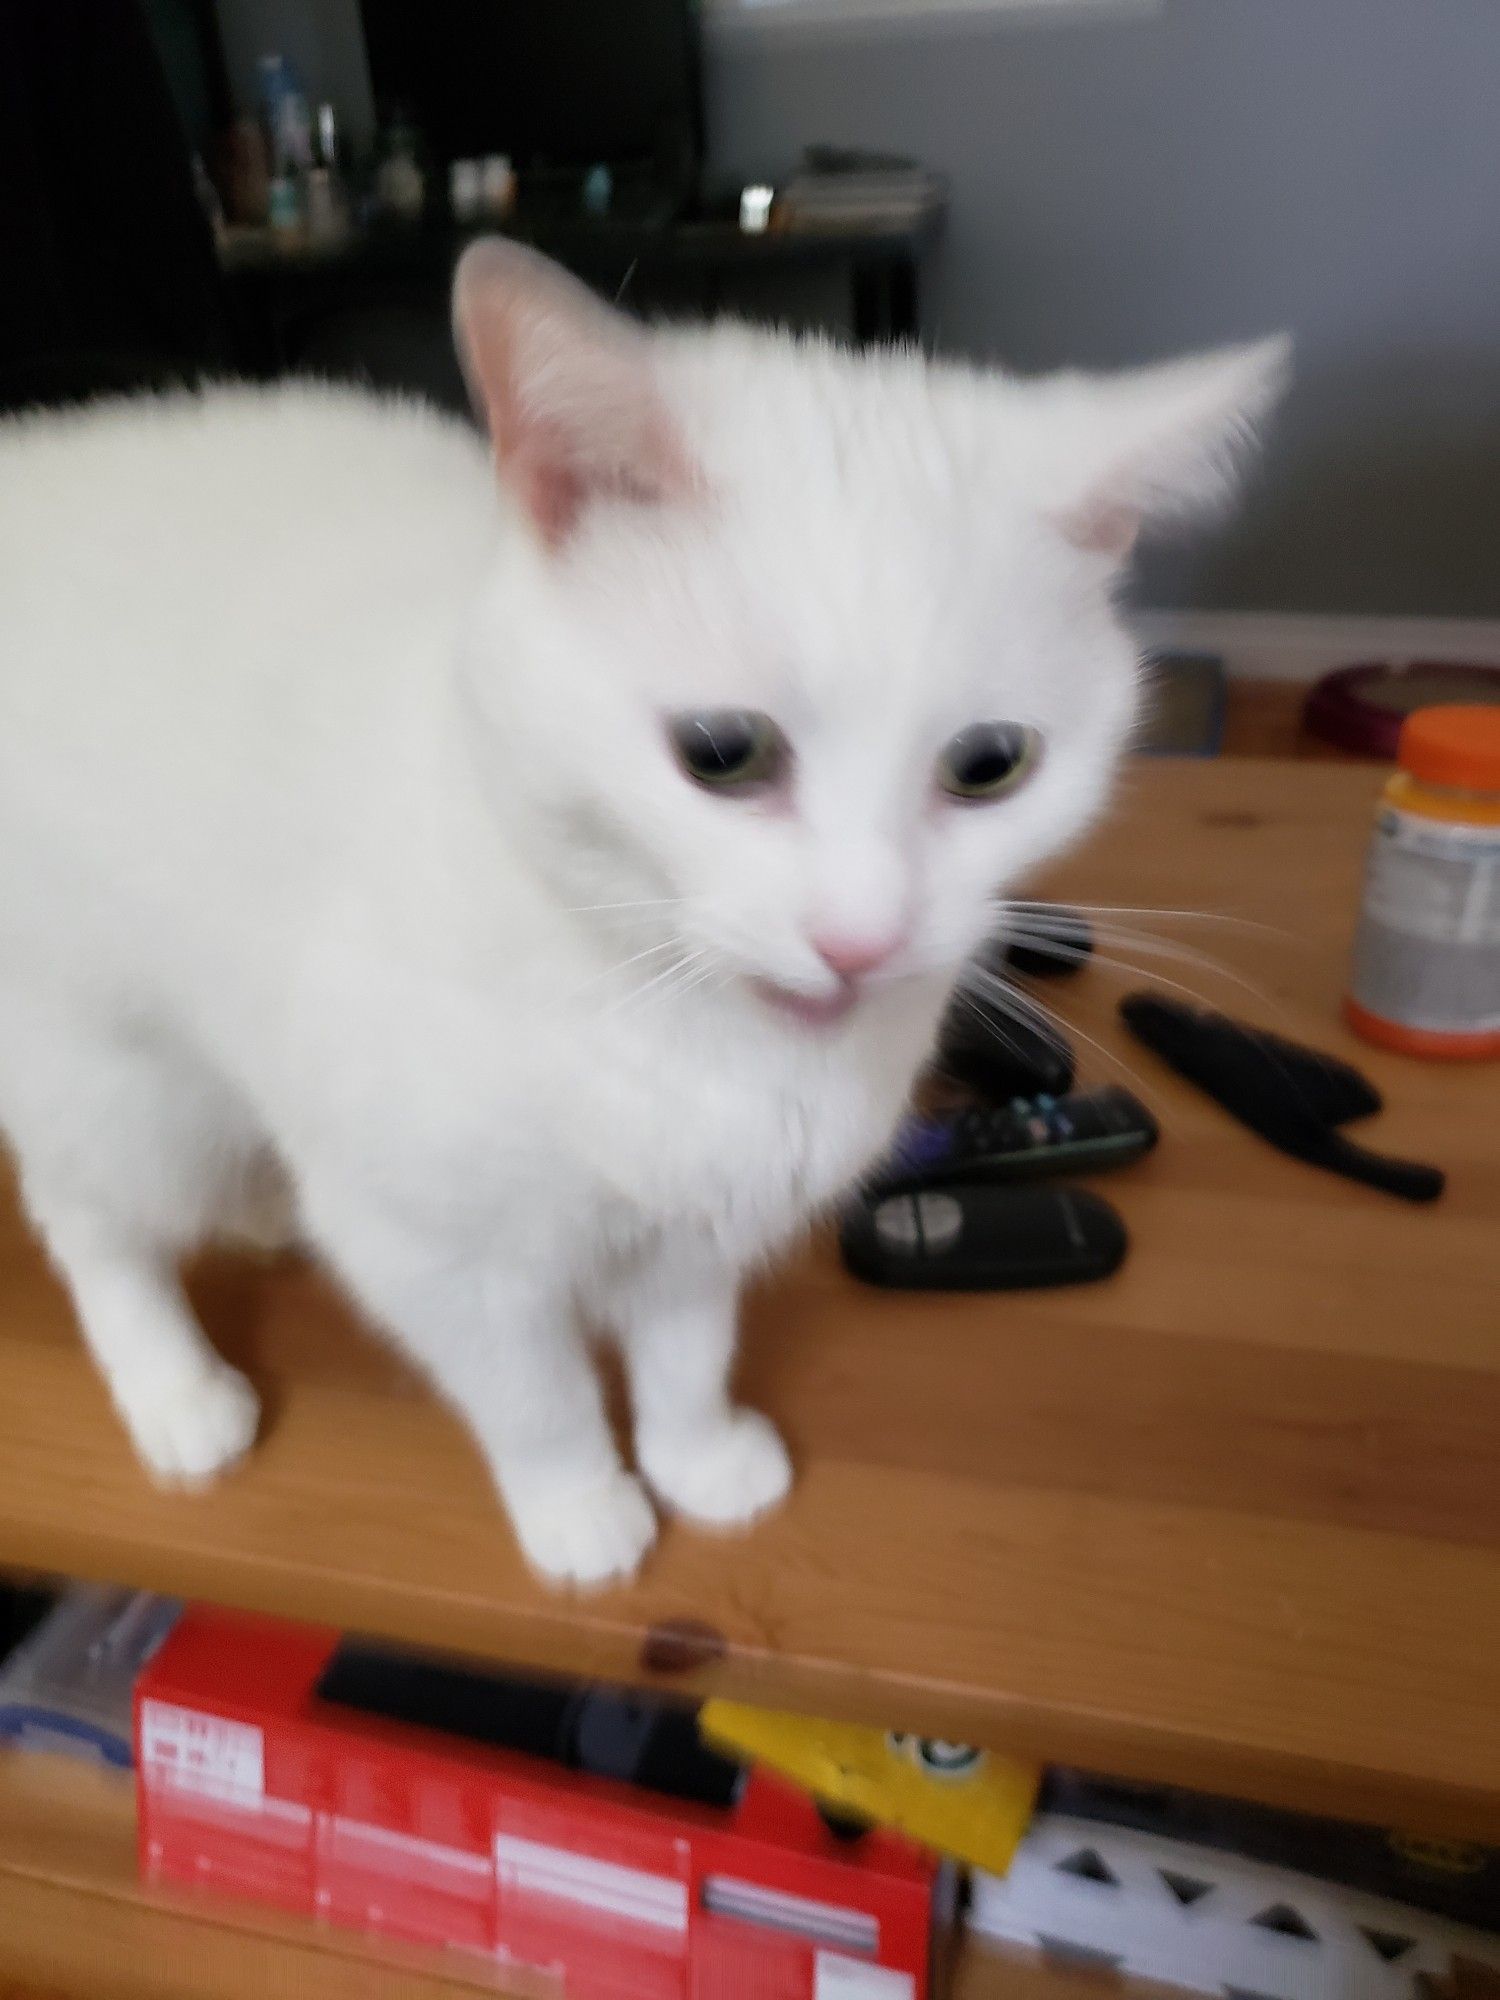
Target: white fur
{"points": [[338, 831]]}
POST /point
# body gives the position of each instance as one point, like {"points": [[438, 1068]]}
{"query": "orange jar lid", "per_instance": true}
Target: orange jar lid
{"points": [[1454, 745]]}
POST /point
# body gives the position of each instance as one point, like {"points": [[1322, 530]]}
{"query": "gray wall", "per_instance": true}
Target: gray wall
{"points": [[1126, 187]]}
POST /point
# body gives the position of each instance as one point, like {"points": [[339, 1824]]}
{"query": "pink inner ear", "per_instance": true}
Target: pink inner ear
{"points": [[546, 482], [1102, 527], [567, 388], [554, 486]]}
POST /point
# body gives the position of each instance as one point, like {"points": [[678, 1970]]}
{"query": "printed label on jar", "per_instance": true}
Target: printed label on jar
{"points": [[1428, 950]]}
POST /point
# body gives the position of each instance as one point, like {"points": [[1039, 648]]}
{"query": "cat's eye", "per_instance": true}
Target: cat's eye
{"points": [[729, 749], [988, 759]]}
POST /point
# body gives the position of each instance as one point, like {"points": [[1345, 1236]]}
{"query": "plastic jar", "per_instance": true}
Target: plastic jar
{"points": [[1426, 974]]}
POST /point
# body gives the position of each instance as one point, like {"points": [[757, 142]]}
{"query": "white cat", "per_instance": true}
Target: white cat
{"points": [[557, 878]]}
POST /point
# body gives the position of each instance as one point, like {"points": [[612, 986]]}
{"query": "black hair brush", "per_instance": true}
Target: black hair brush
{"points": [[1296, 1098]]}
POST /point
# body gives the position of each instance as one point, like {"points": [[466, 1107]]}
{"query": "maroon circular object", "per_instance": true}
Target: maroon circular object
{"points": [[682, 1646], [1362, 708]]}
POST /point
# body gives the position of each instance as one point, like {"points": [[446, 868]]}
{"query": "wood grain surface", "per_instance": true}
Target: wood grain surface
{"points": [[1232, 1519]]}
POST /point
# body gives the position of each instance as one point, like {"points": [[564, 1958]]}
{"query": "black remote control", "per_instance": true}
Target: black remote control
{"points": [[982, 1239], [1086, 1133]]}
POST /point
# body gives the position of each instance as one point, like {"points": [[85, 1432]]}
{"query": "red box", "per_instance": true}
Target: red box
{"points": [[250, 1785]]}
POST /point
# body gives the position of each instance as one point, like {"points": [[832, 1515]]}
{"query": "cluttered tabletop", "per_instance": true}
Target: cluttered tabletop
{"points": [[1230, 1519]]}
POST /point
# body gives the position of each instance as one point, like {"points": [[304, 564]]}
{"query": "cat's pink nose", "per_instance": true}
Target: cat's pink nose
{"points": [[851, 954]]}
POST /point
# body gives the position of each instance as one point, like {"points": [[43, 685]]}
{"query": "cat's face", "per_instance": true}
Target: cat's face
{"points": [[810, 656]]}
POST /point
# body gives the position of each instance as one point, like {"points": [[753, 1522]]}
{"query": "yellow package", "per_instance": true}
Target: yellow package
{"points": [[966, 1803]]}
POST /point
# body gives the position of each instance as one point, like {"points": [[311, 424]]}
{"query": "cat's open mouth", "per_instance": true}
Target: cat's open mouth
{"points": [[817, 1010]]}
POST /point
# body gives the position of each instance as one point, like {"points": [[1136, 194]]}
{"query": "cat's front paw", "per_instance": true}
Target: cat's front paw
{"points": [[195, 1427], [725, 1473], [586, 1535]]}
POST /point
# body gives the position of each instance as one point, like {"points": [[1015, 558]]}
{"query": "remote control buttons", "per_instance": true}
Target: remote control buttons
{"points": [[942, 1220], [915, 1222], [896, 1223]]}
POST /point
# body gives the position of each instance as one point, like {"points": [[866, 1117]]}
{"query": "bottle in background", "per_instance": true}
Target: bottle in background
{"points": [[247, 173], [288, 120], [327, 192], [1426, 973], [288, 128], [465, 190], [497, 186], [400, 183], [328, 138], [284, 205]]}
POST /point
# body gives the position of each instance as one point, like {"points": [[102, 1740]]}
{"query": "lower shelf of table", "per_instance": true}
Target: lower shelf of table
{"points": [[76, 1925]]}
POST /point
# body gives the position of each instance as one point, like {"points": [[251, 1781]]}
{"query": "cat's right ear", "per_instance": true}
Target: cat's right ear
{"points": [[565, 387], [1154, 445]]}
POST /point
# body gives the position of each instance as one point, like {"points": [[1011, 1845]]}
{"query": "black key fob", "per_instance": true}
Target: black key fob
{"points": [[996, 1054], [982, 1239], [1054, 942]]}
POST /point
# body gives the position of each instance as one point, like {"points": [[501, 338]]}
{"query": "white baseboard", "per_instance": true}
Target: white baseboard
{"points": [[886, 17], [1298, 646]]}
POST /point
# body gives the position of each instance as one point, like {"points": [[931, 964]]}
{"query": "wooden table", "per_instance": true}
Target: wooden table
{"points": [[1232, 1519]]}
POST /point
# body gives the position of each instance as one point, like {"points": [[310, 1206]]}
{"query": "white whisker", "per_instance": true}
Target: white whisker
{"points": [[1008, 996], [1021, 904], [665, 982], [1170, 949], [971, 1006], [613, 969], [643, 903], [1022, 1004]]}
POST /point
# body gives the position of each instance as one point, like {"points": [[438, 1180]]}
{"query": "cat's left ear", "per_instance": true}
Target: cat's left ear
{"points": [[565, 386], [1157, 445]]}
